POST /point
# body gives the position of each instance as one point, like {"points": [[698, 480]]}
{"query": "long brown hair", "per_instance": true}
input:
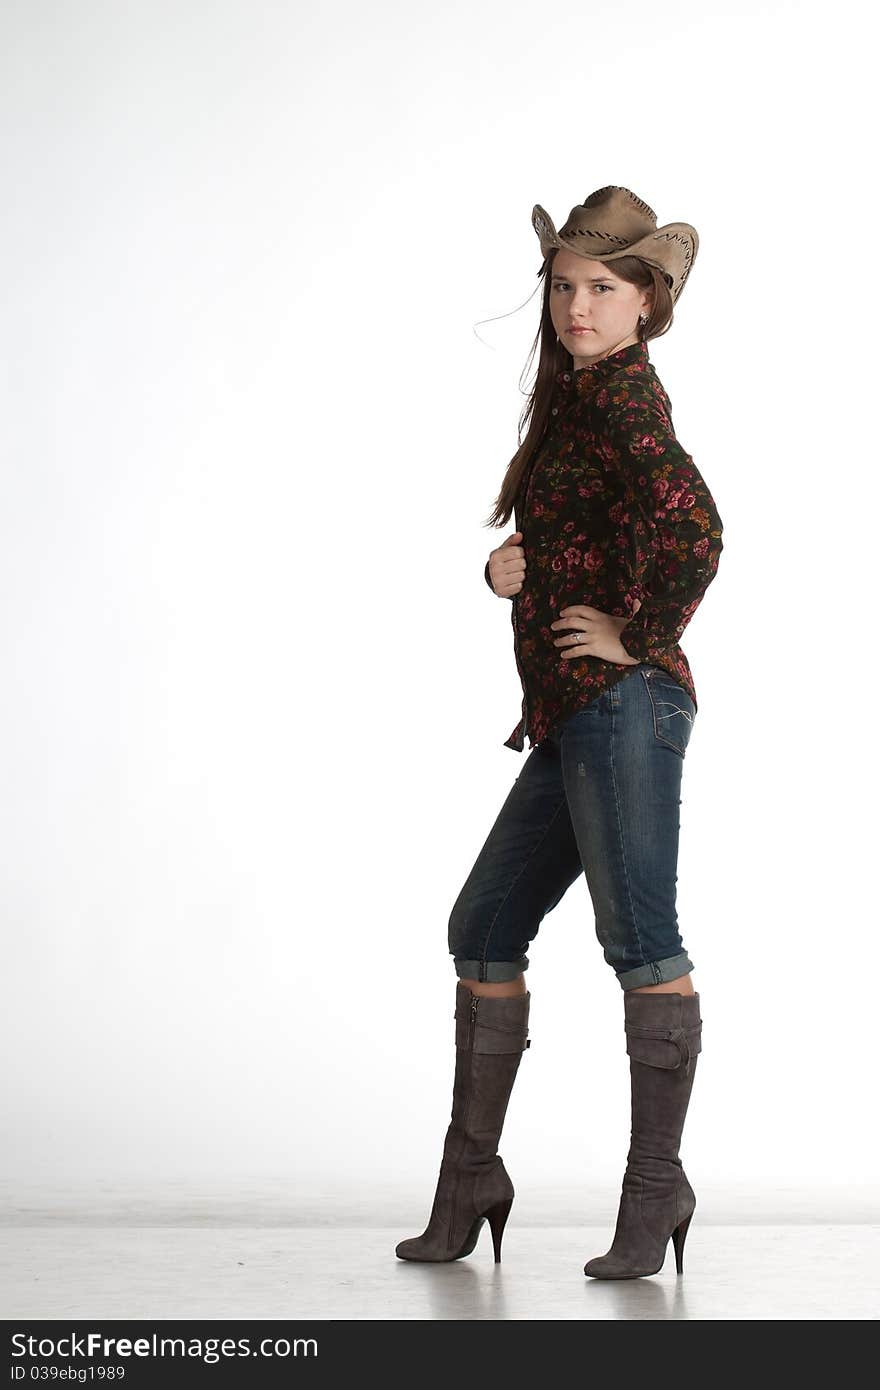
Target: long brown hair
{"points": [[553, 358]]}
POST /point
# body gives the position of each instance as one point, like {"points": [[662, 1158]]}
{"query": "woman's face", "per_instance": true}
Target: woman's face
{"points": [[588, 294]]}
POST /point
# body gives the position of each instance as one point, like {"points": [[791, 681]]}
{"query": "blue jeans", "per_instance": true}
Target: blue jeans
{"points": [[599, 796]]}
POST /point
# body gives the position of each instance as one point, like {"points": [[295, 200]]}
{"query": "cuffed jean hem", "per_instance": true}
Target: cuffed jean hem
{"points": [[490, 970], [655, 972]]}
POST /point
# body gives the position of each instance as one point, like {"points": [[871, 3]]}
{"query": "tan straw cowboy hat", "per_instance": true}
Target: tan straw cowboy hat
{"points": [[613, 222]]}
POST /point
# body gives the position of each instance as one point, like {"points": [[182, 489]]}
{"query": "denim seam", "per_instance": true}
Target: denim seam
{"points": [[512, 885], [621, 837]]}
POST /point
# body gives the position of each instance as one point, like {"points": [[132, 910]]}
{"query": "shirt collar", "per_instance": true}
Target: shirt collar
{"points": [[583, 379]]}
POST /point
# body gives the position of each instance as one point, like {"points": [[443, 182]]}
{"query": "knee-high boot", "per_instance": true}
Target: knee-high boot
{"points": [[474, 1185], [663, 1038]]}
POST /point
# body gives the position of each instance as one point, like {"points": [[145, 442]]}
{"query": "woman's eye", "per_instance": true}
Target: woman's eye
{"points": [[563, 285]]}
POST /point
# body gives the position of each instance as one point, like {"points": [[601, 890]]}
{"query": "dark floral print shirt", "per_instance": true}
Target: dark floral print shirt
{"points": [[614, 510]]}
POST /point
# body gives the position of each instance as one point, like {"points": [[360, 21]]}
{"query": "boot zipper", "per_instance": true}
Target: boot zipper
{"points": [[475, 999]]}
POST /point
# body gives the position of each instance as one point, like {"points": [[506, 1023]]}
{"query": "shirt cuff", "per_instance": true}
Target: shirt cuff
{"points": [[639, 644]]}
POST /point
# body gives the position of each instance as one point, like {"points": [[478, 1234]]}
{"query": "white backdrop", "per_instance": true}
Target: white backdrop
{"points": [[255, 689]]}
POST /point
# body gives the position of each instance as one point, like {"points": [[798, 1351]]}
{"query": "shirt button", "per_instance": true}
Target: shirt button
{"points": [[567, 377], [554, 411]]}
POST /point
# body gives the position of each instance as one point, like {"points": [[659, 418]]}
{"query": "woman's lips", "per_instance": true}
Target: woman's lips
{"points": [[579, 330]]}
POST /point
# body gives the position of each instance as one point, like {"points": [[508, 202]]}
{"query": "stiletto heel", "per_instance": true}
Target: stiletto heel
{"points": [[678, 1239], [497, 1220]]}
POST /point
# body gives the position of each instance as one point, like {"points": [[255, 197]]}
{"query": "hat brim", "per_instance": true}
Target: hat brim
{"points": [[681, 232]]}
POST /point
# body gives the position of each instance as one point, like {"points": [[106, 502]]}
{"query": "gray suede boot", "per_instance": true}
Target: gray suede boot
{"points": [[474, 1186], [663, 1038]]}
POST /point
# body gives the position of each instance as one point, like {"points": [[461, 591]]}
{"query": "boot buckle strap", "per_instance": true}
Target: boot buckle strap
{"points": [[489, 1038], [678, 1037]]}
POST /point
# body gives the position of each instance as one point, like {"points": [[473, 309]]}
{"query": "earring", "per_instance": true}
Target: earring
{"points": [[557, 337]]}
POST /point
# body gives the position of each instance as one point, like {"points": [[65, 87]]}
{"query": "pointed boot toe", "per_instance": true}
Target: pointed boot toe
{"points": [[607, 1267]]}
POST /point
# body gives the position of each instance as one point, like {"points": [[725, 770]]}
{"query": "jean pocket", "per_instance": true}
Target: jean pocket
{"points": [[672, 709]]}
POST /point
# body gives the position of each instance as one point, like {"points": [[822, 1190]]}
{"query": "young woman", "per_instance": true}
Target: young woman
{"points": [[617, 540]]}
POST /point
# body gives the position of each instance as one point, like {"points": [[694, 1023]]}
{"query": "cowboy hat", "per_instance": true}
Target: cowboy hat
{"points": [[615, 218]]}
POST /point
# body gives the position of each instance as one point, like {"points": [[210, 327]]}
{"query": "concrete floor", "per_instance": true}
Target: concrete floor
{"points": [[749, 1272]]}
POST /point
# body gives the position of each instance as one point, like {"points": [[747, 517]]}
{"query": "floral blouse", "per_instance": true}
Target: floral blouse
{"points": [[614, 510]]}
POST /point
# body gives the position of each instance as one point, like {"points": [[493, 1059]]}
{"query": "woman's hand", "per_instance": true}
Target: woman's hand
{"points": [[594, 634], [507, 566]]}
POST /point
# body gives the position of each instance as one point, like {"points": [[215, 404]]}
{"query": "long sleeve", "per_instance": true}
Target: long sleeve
{"points": [[674, 522]]}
